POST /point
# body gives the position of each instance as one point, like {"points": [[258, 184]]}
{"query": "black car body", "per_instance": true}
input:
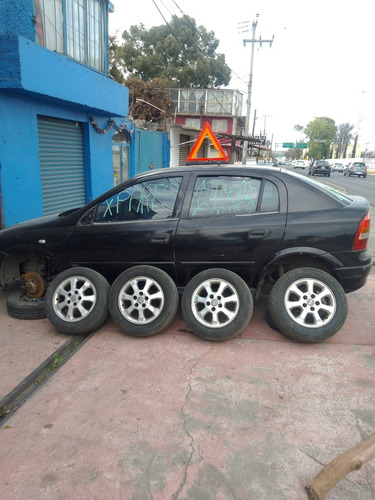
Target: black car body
{"points": [[320, 167], [187, 219], [257, 223]]}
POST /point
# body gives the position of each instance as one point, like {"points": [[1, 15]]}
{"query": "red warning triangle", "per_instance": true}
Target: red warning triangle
{"points": [[207, 131]]}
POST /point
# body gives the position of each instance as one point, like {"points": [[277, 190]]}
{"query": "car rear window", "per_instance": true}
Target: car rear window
{"points": [[305, 195], [231, 195]]}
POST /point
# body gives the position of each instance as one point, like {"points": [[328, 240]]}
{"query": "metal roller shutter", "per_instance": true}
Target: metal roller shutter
{"points": [[183, 149], [62, 167]]}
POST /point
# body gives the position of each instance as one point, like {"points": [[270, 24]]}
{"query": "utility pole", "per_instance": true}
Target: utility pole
{"points": [[253, 41], [264, 127]]}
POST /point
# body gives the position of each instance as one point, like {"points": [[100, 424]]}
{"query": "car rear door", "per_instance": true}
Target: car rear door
{"points": [[232, 221], [135, 225]]}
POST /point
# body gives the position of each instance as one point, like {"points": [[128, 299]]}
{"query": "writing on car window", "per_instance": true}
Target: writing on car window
{"points": [[229, 195], [152, 199]]}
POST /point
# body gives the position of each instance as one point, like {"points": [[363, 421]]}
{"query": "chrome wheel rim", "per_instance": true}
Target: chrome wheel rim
{"points": [[215, 303], [310, 303], [141, 300], [74, 299]]}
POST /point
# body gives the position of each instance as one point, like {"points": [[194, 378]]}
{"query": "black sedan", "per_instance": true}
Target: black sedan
{"points": [[320, 167], [216, 236]]}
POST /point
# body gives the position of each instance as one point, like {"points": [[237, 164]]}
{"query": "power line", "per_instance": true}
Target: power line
{"points": [[183, 50], [201, 36]]}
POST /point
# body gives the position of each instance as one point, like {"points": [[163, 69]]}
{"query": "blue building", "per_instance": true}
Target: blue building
{"points": [[58, 108]]}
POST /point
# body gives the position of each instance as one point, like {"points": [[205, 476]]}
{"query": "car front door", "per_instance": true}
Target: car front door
{"points": [[135, 225], [236, 222]]}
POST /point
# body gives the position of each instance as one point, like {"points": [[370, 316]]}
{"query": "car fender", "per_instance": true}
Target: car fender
{"points": [[11, 258], [327, 260]]}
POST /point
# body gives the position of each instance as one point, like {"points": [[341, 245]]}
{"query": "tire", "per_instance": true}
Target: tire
{"points": [[217, 304], [308, 305], [143, 301], [21, 306], [270, 322], [77, 301]]}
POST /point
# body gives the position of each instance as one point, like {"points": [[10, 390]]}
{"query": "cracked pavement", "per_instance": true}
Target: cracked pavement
{"points": [[176, 417]]}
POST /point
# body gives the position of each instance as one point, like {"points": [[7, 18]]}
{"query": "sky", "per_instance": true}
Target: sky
{"points": [[320, 64]]}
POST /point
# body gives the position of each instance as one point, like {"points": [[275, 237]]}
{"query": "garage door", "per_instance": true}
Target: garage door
{"points": [[61, 164]]}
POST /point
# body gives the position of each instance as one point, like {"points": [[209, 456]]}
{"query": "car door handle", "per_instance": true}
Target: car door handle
{"points": [[160, 238], [258, 234]]}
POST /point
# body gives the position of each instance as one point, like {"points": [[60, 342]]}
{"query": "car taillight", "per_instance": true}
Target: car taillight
{"points": [[361, 238]]}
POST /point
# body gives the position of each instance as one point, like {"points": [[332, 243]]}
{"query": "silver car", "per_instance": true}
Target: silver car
{"points": [[355, 168]]}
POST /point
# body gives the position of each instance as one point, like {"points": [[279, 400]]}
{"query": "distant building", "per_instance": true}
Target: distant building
{"points": [[58, 107], [221, 108]]}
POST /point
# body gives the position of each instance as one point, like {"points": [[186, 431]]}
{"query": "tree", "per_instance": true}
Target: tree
{"points": [[354, 146], [321, 133], [148, 100], [180, 53], [115, 69], [343, 138]]}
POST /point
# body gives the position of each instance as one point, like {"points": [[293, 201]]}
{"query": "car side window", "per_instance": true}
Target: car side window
{"points": [[152, 199], [270, 198], [230, 195]]}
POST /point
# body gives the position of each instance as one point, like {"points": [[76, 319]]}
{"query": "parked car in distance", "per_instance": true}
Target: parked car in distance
{"points": [[320, 167], [298, 164], [217, 236], [337, 167], [356, 168]]}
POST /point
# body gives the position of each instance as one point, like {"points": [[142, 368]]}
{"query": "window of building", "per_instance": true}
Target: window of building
{"points": [[75, 28], [207, 101], [219, 102], [193, 122], [220, 125]]}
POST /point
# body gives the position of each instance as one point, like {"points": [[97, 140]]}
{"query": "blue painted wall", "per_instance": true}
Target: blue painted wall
{"points": [[149, 149], [35, 81], [16, 16]]}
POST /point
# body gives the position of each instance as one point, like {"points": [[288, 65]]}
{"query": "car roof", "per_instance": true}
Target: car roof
{"points": [[215, 169]]}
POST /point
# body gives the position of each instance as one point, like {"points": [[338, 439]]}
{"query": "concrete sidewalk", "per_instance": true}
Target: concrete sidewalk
{"points": [[176, 417]]}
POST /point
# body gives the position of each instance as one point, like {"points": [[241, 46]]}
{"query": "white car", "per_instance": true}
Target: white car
{"points": [[337, 167], [298, 164]]}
